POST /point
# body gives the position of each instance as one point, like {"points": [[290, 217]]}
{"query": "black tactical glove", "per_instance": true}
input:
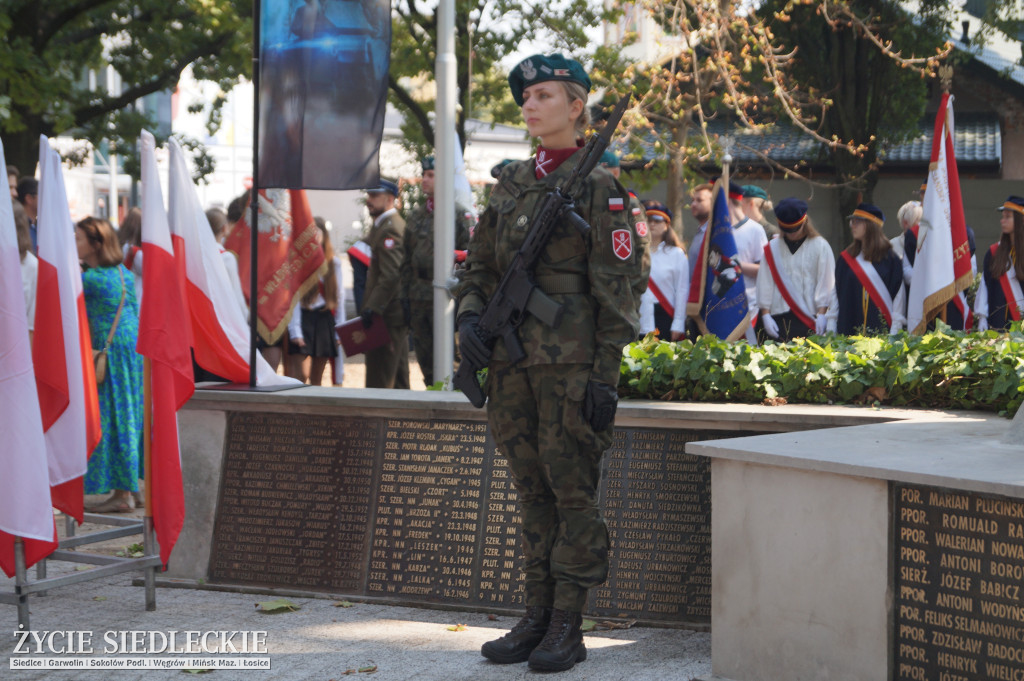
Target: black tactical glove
{"points": [[406, 311], [367, 315], [471, 345], [599, 404]]}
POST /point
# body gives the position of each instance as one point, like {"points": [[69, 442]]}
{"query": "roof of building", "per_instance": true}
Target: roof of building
{"points": [[976, 141]]}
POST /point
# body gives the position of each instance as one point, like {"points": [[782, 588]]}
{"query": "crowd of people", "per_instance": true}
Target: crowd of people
{"points": [[802, 289]]}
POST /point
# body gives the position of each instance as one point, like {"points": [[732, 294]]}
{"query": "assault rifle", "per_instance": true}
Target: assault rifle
{"points": [[517, 293]]}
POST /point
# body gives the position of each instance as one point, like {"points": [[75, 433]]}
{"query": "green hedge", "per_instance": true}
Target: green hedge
{"points": [[943, 369]]}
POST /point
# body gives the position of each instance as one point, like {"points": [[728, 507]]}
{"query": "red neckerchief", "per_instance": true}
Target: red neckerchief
{"points": [[430, 204], [547, 160]]}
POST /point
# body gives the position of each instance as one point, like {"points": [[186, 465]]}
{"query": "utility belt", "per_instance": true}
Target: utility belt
{"points": [[555, 284]]}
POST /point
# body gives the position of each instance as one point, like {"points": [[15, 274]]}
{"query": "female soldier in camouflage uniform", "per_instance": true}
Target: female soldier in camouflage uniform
{"points": [[551, 414]]}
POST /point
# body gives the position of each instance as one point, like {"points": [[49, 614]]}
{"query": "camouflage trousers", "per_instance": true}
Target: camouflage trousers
{"points": [[555, 459], [421, 323]]}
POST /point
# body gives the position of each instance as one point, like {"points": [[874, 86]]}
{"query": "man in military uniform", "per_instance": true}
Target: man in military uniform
{"points": [[418, 269], [552, 413], [388, 365]]}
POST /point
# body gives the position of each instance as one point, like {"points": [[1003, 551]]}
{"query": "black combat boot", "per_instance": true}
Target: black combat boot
{"points": [[516, 645], [562, 646]]}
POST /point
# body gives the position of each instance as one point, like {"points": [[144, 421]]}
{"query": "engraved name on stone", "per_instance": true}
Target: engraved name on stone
{"points": [[959, 568]]}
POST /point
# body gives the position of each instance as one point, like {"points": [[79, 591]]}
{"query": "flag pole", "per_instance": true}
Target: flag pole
{"points": [[147, 435], [946, 75], [444, 193], [148, 543], [255, 191], [727, 143], [20, 580]]}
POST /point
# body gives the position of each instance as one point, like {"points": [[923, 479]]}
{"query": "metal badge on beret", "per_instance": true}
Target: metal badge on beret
{"points": [[540, 68]]}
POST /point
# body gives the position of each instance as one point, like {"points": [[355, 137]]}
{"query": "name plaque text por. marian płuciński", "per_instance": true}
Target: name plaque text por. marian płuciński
{"points": [[959, 571], [425, 512]]}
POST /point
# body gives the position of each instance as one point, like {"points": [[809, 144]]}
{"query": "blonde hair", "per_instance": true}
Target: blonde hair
{"points": [[909, 214], [576, 91]]}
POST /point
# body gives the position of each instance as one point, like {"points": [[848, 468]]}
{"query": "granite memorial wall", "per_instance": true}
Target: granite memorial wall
{"points": [[959, 572], [420, 511]]}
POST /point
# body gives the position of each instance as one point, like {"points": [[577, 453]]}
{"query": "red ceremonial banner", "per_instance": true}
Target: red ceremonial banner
{"points": [[290, 258]]}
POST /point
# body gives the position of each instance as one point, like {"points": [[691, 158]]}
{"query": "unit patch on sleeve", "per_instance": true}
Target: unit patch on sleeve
{"points": [[622, 243]]}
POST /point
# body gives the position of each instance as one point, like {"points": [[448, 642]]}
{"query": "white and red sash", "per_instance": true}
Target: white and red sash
{"points": [[1011, 290], [129, 257], [785, 287], [360, 250], [653, 288], [966, 314], [868, 277]]}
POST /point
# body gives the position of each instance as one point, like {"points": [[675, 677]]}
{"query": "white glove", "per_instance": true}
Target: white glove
{"points": [[770, 327], [982, 323], [819, 323]]}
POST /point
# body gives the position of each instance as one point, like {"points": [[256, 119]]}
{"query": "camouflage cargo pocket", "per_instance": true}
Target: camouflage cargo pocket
{"points": [[572, 418]]}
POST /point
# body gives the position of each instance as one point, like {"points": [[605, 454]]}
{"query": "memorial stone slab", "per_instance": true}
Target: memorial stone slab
{"points": [[424, 511]]}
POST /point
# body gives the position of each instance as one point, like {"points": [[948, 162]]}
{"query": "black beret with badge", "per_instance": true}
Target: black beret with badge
{"points": [[540, 68]]}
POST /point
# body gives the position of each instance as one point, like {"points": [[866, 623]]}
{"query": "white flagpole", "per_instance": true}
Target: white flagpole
{"points": [[444, 192]]}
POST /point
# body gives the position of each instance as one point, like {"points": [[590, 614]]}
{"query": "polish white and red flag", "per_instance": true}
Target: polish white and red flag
{"points": [[164, 341], [942, 267], [61, 353], [220, 331], [25, 508]]}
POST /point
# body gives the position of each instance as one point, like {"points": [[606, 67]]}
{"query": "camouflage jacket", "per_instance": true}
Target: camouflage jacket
{"points": [[383, 280], [418, 264], [598, 278]]}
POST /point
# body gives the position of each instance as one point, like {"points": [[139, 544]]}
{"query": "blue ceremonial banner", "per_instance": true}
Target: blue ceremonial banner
{"points": [[718, 299], [323, 87]]}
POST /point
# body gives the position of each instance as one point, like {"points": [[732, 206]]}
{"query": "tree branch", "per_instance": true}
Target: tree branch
{"points": [[414, 108], [160, 82], [65, 17]]}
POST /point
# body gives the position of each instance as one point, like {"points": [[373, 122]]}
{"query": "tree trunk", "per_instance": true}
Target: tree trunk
{"points": [[851, 195], [675, 196], [22, 149]]}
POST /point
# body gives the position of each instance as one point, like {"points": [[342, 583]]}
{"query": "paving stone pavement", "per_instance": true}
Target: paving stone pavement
{"points": [[321, 641]]}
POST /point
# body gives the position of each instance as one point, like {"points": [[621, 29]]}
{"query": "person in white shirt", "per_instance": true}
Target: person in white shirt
{"points": [[663, 304], [130, 236], [700, 208], [755, 203], [750, 243], [29, 265], [796, 281], [311, 328], [218, 220]]}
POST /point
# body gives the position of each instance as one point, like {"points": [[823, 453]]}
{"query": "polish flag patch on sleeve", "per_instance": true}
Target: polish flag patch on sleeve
{"points": [[615, 203]]}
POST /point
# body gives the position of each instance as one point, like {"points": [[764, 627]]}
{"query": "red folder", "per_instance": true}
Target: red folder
{"points": [[356, 338]]}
